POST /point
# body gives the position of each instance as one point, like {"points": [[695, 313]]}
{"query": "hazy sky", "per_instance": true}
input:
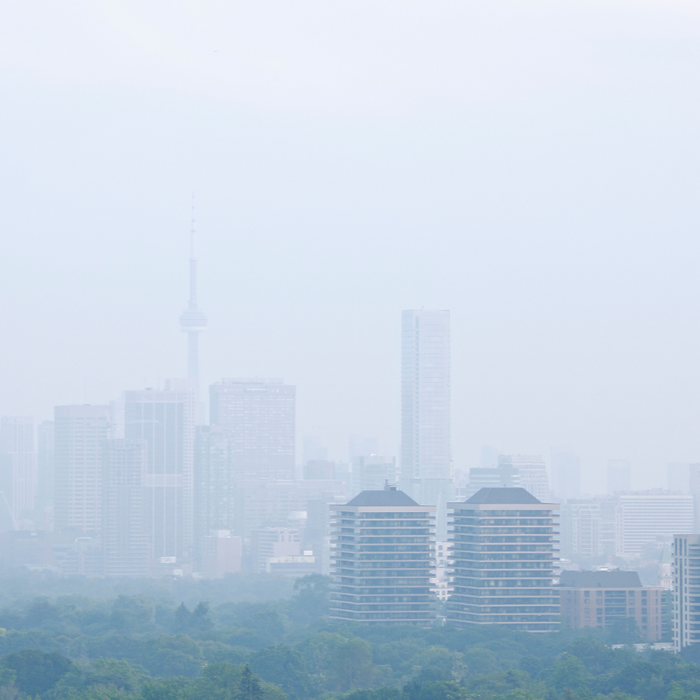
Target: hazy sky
{"points": [[531, 166]]}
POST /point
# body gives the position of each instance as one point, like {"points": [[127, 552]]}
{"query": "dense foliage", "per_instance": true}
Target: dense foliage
{"points": [[269, 639]]}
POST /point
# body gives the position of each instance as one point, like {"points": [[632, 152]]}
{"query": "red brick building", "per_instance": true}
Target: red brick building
{"points": [[597, 598]]}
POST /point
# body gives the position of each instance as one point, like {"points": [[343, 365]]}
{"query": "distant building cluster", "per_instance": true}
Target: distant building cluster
{"points": [[146, 485]]}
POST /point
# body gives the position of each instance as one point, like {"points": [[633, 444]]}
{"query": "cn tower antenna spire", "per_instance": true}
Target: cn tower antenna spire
{"points": [[193, 262], [193, 321]]}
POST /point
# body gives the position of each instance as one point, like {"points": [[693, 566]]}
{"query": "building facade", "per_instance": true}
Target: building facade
{"points": [[686, 591], [372, 472], [591, 529], [651, 518], [214, 484], [492, 477], [426, 459], [598, 598], [164, 419], [44, 499], [80, 432], [566, 474], [504, 556], [619, 476], [382, 559], [125, 545], [259, 415], [532, 474], [18, 463]]}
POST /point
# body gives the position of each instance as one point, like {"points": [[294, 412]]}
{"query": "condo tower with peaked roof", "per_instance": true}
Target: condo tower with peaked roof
{"points": [[504, 554], [382, 559]]}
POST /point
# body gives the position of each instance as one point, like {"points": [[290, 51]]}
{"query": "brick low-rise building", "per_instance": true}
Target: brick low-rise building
{"points": [[598, 598]]}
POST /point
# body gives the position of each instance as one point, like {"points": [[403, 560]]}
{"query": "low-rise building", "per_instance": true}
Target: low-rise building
{"points": [[598, 598]]}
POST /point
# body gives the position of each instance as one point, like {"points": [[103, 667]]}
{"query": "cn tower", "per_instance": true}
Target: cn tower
{"points": [[193, 321]]}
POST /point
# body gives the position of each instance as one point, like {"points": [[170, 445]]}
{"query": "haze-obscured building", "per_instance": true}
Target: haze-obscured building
{"points": [[678, 477], [214, 484], [372, 472], [532, 473], [319, 469], [164, 418], [651, 518], [125, 545], [44, 500], [274, 542], [80, 432], [619, 476], [259, 415], [426, 459], [566, 473], [591, 529], [18, 478], [221, 554], [499, 476]]}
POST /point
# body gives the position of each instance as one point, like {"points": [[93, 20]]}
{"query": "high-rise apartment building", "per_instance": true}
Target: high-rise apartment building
{"points": [[164, 419], [619, 476], [18, 466], [426, 460], [504, 555], [382, 559], [259, 415], [125, 545], [686, 591], [80, 432], [566, 473]]}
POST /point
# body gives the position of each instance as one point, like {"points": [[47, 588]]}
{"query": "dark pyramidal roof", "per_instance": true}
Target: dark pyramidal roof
{"points": [[600, 579], [504, 495], [388, 496]]}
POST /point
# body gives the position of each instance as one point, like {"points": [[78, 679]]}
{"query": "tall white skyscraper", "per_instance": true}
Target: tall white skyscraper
{"points": [[80, 432], [164, 419], [426, 459]]}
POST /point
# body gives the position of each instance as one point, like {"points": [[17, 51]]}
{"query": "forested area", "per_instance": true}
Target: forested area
{"points": [[260, 637]]}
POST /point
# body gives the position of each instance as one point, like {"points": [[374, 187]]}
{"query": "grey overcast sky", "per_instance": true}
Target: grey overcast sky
{"points": [[531, 166]]}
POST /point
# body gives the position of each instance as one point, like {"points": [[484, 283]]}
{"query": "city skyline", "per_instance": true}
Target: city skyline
{"points": [[538, 185]]}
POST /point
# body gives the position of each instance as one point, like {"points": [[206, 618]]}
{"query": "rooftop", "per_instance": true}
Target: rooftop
{"points": [[502, 495], [600, 579], [388, 496]]}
